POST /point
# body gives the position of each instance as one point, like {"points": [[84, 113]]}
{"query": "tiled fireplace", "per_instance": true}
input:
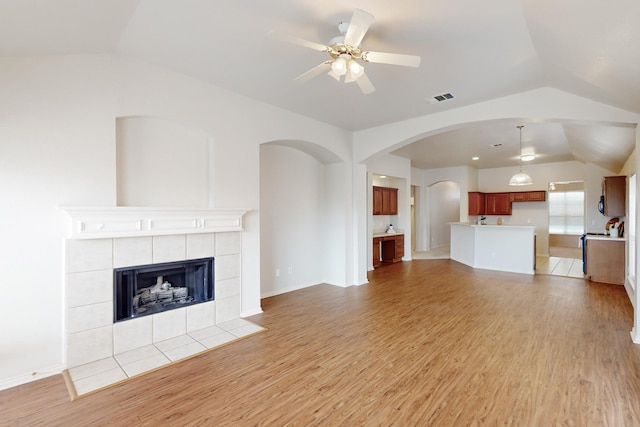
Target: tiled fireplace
{"points": [[102, 240]]}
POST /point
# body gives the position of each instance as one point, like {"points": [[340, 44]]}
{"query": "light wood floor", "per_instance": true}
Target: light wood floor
{"points": [[427, 342]]}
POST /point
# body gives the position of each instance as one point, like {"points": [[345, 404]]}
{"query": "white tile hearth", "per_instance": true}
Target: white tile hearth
{"points": [[111, 370]]}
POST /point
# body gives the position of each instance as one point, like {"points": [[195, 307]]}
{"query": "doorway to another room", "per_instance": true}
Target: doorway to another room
{"points": [[443, 207], [566, 226]]}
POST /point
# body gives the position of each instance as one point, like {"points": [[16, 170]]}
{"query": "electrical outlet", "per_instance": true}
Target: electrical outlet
{"points": [[277, 272], [290, 270]]}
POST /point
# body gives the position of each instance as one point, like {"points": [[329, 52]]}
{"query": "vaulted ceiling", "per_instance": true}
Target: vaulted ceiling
{"points": [[474, 50]]}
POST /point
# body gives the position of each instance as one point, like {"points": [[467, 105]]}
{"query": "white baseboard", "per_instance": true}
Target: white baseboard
{"points": [[27, 378]]}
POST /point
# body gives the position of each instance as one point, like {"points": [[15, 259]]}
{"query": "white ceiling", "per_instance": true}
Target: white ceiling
{"points": [[474, 50]]}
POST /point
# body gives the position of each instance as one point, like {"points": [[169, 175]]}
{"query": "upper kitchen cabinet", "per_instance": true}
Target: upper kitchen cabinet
{"points": [[476, 203], [529, 196], [385, 201], [614, 190], [498, 204]]}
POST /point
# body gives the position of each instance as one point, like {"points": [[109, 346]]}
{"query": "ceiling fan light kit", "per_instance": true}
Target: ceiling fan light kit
{"points": [[520, 178], [345, 51]]}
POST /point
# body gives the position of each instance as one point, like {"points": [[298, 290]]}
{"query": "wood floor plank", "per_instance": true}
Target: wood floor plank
{"points": [[427, 342]]}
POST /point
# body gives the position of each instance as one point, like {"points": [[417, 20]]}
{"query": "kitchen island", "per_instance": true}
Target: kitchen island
{"points": [[494, 247]]}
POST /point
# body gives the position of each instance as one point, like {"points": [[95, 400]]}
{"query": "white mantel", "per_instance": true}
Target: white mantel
{"points": [[89, 222]]}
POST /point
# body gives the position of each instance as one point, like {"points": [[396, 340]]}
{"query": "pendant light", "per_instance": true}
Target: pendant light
{"points": [[520, 178]]}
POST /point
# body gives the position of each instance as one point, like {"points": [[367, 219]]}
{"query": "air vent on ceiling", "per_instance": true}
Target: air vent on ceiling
{"points": [[440, 98]]}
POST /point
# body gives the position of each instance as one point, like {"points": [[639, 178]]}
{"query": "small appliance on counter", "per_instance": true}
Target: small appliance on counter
{"points": [[615, 227]]}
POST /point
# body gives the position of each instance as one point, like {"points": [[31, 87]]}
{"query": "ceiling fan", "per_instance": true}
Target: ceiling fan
{"points": [[345, 53]]}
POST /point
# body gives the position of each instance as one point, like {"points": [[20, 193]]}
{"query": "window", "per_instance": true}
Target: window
{"points": [[566, 212]]}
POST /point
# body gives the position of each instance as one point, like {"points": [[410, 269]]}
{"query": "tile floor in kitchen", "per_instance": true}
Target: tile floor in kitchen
{"points": [[105, 372], [558, 266]]}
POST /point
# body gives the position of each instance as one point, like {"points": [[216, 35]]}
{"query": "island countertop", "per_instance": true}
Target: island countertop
{"points": [[492, 225]]}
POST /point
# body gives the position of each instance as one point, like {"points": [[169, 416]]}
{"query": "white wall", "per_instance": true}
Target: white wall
{"points": [[497, 179], [161, 163], [292, 195], [58, 145], [444, 203]]}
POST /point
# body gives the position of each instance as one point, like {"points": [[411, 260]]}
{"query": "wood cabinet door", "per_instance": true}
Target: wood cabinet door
{"points": [[490, 204], [399, 247], [385, 201], [393, 201], [536, 196], [520, 197], [614, 190], [377, 200], [503, 201], [376, 252], [605, 261], [476, 203]]}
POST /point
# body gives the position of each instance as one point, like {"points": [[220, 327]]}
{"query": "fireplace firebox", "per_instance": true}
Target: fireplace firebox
{"points": [[149, 289]]}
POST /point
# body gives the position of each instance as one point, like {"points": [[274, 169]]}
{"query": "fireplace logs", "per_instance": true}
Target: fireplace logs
{"points": [[154, 288]]}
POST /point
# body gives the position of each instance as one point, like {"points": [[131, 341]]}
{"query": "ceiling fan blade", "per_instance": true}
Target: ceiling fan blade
{"points": [[350, 77], [358, 26], [392, 58], [365, 84], [296, 40], [314, 72]]}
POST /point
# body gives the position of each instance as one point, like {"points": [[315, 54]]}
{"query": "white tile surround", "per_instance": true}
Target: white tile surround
{"points": [[99, 352]]}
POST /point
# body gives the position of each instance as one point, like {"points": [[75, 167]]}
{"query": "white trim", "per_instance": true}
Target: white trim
{"points": [[113, 222], [23, 379]]}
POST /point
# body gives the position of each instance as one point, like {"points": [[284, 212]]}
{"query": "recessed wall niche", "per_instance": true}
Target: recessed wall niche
{"points": [[161, 163]]}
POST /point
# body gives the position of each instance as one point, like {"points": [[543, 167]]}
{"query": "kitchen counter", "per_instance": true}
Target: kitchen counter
{"points": [[494, 247], [467, 224], [604, 237], [383, 234]]}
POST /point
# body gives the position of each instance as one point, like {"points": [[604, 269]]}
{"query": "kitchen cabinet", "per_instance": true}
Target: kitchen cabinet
{"points": [[385, 201], [529, 196], [376, 251], [614, 190], [476, 203], [498, 204], [605, 260], [388, 249]]}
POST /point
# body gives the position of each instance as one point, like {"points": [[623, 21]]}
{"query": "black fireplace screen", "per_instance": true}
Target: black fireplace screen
{"points": [[153, 288]]}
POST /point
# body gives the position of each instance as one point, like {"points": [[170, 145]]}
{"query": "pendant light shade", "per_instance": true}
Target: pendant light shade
{"points": [[520, 178]]}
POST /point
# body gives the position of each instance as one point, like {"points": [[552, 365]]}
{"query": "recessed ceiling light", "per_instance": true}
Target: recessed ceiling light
{"points": [[475, 158], [383, 176], [528, 157]]}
